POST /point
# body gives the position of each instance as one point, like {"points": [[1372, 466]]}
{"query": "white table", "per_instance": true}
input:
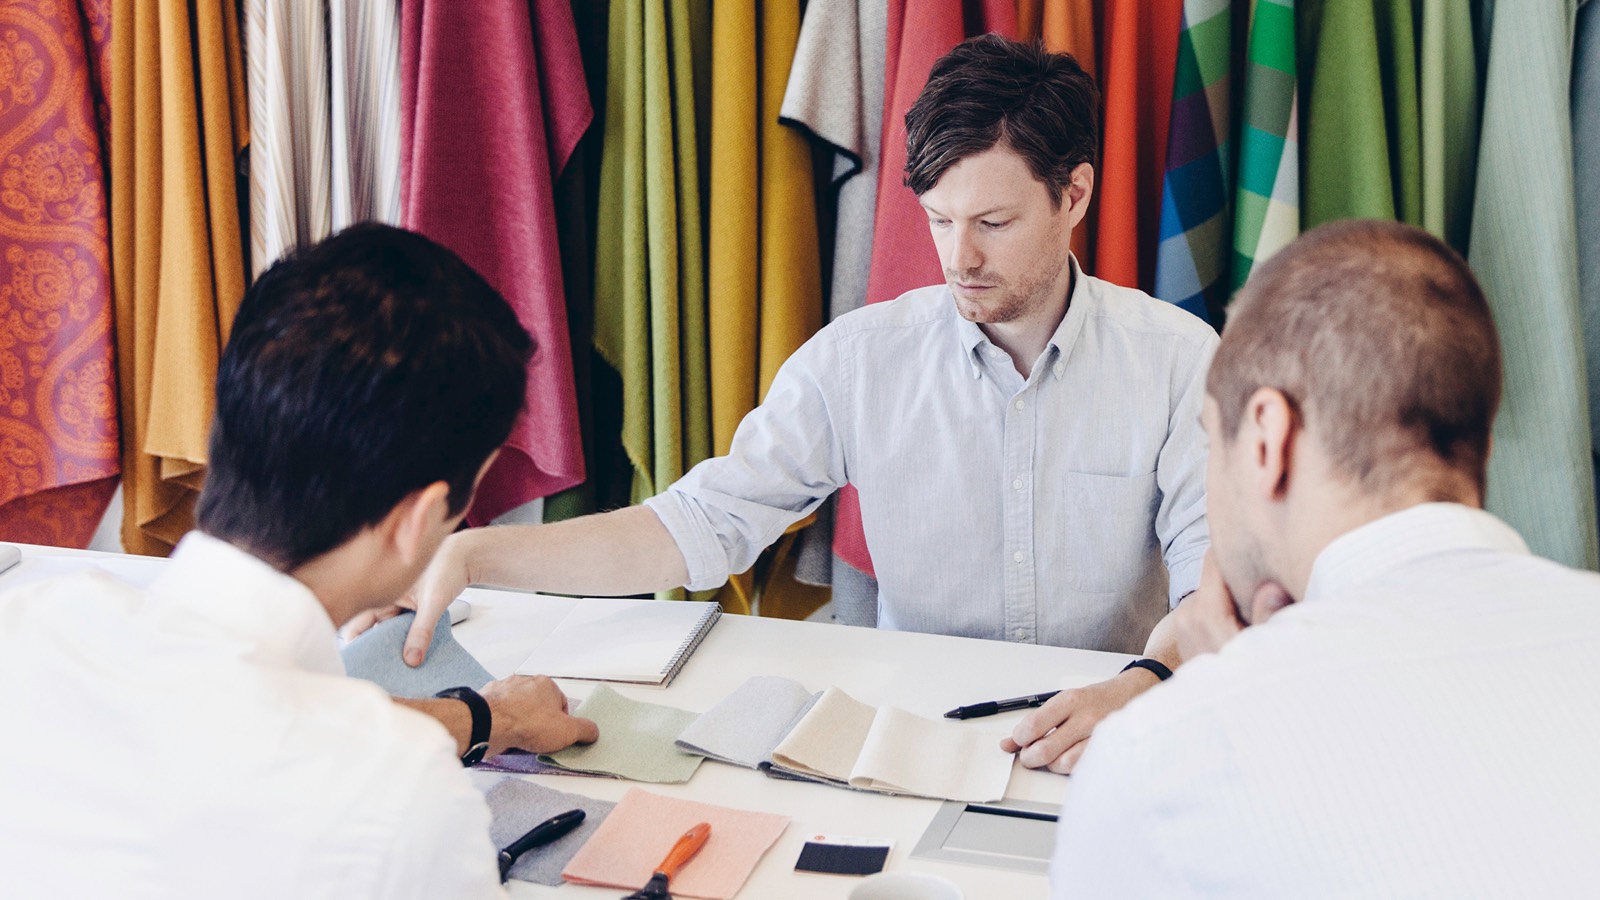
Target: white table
{"points": [[925, 674]]}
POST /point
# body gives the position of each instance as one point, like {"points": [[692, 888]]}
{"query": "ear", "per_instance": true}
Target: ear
{"points": [[410, 526], [1269, 430], [1080, 187]]}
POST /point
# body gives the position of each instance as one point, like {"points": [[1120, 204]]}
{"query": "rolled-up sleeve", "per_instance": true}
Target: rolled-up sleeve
{"points": [[787, 456], [1181, 476]]}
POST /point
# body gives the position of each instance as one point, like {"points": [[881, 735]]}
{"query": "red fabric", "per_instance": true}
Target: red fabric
{"points": [[903, 256], [493, 101], [58, 409], [1139, 54]]}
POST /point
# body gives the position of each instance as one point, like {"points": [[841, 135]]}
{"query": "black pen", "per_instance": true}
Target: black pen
{"points": [[543, 833], [979, 710]]}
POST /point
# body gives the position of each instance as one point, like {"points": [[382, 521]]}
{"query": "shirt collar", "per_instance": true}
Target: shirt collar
{"points": [[1378, 548], [972, 339], [225, 591]]}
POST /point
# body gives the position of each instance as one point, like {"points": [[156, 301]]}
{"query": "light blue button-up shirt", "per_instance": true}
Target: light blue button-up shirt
{"points": [[1067, 508]]}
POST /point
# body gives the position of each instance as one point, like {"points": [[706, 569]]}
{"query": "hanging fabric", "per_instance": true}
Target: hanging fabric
{"points": [[1447, 68], [364, 110], [650, 298], [291, 167], [1267, 202], [1586, 167], [1067, 26], [179, 119], [483, 137], [58, 412], [903, 256], [1139, 57], [1362, 154], [1196, 246], [1525, 252], [835, 92]]}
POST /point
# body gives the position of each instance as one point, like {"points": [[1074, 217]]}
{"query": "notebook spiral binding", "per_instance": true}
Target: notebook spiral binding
{"points": [[685, 649]]}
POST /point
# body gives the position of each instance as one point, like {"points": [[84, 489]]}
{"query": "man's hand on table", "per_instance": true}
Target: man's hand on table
{"points": [[529, 712], [1056, 734]]}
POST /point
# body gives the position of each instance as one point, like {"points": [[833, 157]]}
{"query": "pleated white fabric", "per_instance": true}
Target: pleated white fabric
{"points": [[364, 45], [286, 50]]}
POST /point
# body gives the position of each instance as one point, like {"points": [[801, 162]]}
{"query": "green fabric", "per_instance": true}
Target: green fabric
{"points": [[1449, 74], [637, 740], [1525, 250], [649, 265], [1362, 148], [1267, 202]]}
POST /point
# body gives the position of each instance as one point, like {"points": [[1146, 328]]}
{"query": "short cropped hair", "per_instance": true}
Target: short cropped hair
{"points": [[1381, 337], [990, 89], [359, 370]]}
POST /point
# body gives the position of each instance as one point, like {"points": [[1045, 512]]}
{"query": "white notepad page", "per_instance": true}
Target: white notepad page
{"points": [[613, 639]]}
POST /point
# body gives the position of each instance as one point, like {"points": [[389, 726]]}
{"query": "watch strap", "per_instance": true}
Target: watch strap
{"points": [[1152, 666], [482, 722]]}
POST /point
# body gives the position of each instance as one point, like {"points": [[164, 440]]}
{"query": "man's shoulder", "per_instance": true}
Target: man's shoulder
{"points": [[1133, 311], [914, 310]]}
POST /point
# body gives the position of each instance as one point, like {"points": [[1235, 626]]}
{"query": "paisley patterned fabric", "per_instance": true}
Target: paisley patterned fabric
{"points": [[58, 410]]}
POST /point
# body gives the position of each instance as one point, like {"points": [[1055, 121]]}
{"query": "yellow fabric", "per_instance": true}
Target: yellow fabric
{"points": [[765, 274], [1065, 26], [177, 124]]}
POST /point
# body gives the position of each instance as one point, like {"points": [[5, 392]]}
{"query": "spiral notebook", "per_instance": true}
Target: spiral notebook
{"points": [[632, 641]]}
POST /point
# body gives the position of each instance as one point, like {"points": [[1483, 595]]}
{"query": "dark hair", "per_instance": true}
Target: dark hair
{"points": [[990, 89], [1379, 334], [359, 370]]}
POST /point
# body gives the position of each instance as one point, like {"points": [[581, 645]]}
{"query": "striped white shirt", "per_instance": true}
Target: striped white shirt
{"points": [[1423, 724]]}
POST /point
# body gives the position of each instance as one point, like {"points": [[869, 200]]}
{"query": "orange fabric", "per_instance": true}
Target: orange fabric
{"points": [[903, 256], [1066, 26], [1139, 54], [177, 250], [58, 414]]}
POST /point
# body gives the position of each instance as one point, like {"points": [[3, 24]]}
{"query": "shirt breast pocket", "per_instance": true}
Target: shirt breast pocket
{"points": [[1108, 528]]}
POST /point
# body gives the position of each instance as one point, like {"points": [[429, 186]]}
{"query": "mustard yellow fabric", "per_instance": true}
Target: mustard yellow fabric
{"points": [[178, 123]]}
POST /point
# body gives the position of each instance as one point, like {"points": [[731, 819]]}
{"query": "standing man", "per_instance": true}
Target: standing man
{"points": [[1405, 702], [1024, 437], [199, 739]]}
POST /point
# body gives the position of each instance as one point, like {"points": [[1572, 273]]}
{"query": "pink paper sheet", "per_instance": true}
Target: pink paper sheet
{"points": [[635, 838]]}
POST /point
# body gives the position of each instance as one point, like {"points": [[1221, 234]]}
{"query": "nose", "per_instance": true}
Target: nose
{"points": [[966, 254]]}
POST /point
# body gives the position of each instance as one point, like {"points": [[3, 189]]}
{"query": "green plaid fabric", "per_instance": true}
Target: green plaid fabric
{"points": [[1267, 200]]}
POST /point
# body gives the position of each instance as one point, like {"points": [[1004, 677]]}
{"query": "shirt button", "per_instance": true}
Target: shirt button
{"points": [[1018, 635], [1017, 557], [1020, 404], [1016, 484]]}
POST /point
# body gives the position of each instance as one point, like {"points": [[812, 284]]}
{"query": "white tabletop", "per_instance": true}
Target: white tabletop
{"points": [[925, 674]]}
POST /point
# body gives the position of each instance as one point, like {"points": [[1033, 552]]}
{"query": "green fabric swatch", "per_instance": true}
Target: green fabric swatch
{"points": [[1450, 95], [637, 740], [1267, 201]]}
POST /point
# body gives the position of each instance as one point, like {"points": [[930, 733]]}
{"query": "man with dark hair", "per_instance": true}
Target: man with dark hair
{"points": [[199, 738], [1024, 438], [1392, 697]]}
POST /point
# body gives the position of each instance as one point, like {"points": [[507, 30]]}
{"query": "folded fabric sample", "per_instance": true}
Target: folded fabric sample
{"points": [[637, 835], [375, 656], [516, 806], [745, 727], [518, 762], [636, 741], [846, 742]]}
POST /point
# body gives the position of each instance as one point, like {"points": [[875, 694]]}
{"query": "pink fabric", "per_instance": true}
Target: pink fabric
{"points": [[625, 850], [903, 257], [493, 102], [58, 408]]}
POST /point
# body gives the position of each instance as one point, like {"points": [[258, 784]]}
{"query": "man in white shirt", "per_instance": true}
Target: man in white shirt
{"points": [[199, 738], [1023, 439], [1405, 701]]}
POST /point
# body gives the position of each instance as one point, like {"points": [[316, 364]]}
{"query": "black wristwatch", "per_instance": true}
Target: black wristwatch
{"points": [[1149, 665], [478, 743]]}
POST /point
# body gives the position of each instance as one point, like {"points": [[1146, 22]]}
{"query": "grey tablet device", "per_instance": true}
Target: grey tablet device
{"points": [[1011, 834]]}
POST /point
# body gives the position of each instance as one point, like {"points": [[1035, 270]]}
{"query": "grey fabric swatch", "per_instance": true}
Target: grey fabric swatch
{"points": [[516, 806], [375, 657], [748, 723], [518, 762], [636, 740]]}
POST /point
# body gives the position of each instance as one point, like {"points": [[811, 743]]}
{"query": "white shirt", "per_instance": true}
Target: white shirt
{"points": [[1067, 508], [1425, 723], [199, 739]]}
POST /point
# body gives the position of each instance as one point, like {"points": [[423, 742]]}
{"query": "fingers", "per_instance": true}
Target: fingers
{"points": [[585, 731], [1038, 723], [359, 623], [1064, 763], [1045, 752], [418, 637]]}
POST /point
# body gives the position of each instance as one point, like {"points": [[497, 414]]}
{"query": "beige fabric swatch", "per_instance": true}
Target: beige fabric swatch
{"points": [[846, 742], [636, 836], [636, 740]]}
